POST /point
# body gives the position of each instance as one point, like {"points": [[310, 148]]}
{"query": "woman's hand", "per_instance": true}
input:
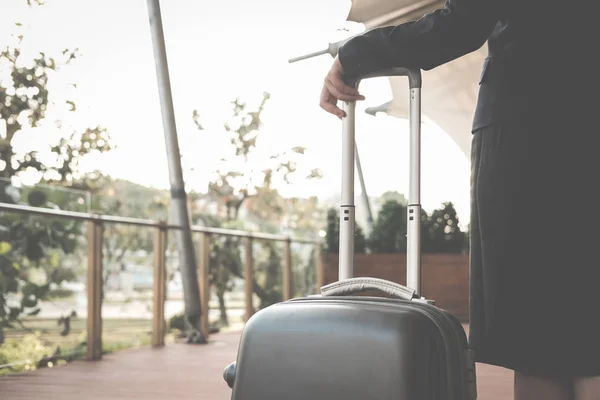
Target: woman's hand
{"points": [[335, 89]]}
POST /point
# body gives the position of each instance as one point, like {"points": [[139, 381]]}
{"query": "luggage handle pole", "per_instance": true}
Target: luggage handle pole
{"points": [[413, 256], [347, 208]]}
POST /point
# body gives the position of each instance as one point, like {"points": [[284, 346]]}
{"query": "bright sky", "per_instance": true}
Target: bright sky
{"points": [[219, 50]]}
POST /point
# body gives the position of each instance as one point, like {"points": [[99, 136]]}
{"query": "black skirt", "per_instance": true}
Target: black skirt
{"points": [[535, 247]]}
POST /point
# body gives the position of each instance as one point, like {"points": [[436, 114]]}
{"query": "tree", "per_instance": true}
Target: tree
{"points": [[32, 244], [225, 263], [269, 270], [255, 177], [249, 188], [23, 106], [332, 236], [443, 233], [392, 195], [30, 248], [440, 232], [389, 229], [120, 197], [305, 215]]}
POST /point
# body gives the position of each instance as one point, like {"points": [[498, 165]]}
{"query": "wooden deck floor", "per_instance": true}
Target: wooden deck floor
{"points": [[177, 371]]}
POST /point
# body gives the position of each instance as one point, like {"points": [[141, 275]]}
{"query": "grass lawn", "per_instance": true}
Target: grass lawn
{"points": [[25, 348], [36, 344]]}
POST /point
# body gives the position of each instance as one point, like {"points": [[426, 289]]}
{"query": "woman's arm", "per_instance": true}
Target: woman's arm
{"points": [[460, 27]]}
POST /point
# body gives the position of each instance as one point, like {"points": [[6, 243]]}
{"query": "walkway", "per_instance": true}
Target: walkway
{"points": [[177, 371]]}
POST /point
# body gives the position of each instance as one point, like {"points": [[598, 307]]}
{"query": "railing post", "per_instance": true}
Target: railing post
{"points": [[319, 266], [94, 289], [248, 278], [287, 270], [204, 284], [160, 285]]}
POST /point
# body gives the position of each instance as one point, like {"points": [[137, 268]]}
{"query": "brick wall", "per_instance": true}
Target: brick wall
{"points": [[444, 277]]}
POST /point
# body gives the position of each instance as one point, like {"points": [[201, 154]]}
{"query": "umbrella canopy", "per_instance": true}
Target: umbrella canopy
{"points": [[449, 91]]}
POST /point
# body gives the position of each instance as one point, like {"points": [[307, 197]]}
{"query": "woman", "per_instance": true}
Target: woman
{"points": [[534, 265]]}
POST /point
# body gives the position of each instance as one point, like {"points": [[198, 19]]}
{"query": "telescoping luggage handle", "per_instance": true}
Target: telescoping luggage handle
{"points": [[347, 209]]}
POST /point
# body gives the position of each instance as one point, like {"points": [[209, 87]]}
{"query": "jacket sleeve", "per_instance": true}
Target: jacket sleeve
{"points": [[460, 27]]}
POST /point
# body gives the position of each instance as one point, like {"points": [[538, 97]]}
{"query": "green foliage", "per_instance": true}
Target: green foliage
{"points": [[231, 188], [177, 322], [443, 233], [127, 199], [332, 232], [248, 124], [332, 238], [252, 190], [69, 152], [389, 229], [225, 263], [226, 189], [42, 345], [24, 352], [24, 102], [32, 246], [271, 284], [440, 232], [392, 195], [303, 215], [29, 247], [306, 279]]}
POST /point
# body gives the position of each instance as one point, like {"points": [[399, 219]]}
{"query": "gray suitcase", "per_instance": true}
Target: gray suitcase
{"points": [[341, 346]]}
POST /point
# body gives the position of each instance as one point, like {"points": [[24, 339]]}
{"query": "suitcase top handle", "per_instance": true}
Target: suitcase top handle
{"points": [[413, 74], [348, 287]]}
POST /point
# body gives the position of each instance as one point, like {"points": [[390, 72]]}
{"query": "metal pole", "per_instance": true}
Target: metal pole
{"points": [[179, 211], [307, 56], [363, 189], [413, 272], [346, 260]]}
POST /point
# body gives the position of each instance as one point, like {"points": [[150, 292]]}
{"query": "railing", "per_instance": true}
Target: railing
{"points": [[161, 229]]}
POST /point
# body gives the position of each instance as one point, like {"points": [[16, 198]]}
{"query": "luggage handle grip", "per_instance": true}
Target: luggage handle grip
{"points": [[352, 286], [413, 75]]}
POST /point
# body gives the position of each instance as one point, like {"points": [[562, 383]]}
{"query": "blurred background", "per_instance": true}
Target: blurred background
{"points": [[81, 131]]}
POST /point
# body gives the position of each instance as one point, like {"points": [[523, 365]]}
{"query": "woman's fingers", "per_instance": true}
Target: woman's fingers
{"points": [[341, 91], [329, 103], [334, 89]]}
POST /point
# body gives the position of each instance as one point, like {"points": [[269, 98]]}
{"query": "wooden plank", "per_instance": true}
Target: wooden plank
{"points": [[248, 279], [159, 287], [288, 288], [184, 372], [204, 283], [94, 291]]}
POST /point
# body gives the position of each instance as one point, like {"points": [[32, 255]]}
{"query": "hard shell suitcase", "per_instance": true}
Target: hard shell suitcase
{"points": [[338, 345]]}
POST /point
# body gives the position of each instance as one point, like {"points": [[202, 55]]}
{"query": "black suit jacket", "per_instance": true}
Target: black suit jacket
{"points": [[542, 55]]}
